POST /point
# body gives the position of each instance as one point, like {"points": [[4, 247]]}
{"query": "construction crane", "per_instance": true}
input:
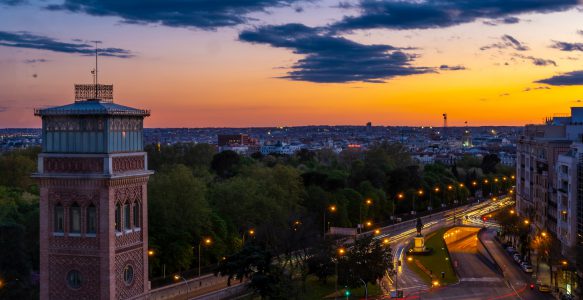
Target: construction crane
{"points": [[444, 126]]}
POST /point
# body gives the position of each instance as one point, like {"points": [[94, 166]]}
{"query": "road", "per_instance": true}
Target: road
{"points": [[515, 277], [401, 234], [478, 278]]}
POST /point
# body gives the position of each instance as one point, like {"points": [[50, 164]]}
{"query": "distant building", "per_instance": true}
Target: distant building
{"points": [[281, 148], [240, 143], [233, 139]]}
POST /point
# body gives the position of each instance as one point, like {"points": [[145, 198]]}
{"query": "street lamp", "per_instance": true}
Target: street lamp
{"points": [[341, 251], [207, 242], [151, 253], [367, 202], [414, 208], [177, 278], [399, 196], [249, 233], [332, 209], [377, 231], [526, 221]]}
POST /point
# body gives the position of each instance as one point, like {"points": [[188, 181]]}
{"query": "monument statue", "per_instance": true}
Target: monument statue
{"points": [[419, 226]]}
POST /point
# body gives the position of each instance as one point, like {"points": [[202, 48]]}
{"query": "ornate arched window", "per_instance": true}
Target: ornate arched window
{"points": [[91, 219], [59, 218], [118, 217], [75, 218], [126, 215], [136, 214]]}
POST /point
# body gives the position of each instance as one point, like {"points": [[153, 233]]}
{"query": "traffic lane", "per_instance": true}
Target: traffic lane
{"points": [[467, 260], [518, 279]]}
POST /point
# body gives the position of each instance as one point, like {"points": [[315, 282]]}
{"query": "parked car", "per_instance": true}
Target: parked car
{"points": [[544, 288], [517, 258], [526, 268]]}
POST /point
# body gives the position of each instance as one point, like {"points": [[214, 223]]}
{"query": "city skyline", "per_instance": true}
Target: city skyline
{"points": [[291, 63]]}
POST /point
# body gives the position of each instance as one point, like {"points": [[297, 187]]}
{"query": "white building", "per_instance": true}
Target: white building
{"points": [[566, 171]]}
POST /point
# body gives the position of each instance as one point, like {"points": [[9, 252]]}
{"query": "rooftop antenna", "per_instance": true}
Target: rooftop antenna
{"points": [[445, 125], [96, 55]]}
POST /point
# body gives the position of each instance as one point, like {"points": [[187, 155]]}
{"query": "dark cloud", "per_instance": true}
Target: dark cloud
{"points": [[580, 32], [508, 41], [452, 68], [507, 20], [13, 2], [571, 78], [537, 61], [565, 46], [28, 40], [329, 58], [35, 60], [203, 14], [442, 13], [528, 89]]}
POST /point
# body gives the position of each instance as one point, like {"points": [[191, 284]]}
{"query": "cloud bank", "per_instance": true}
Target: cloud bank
{"points": [[333, 59], [22, 39]]}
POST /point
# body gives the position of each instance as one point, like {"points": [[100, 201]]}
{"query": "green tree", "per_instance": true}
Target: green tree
{"points": [[366, 261], [179, 215]]}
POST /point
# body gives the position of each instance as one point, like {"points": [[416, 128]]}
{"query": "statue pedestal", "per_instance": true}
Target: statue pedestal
{"points": [[419, 244]]}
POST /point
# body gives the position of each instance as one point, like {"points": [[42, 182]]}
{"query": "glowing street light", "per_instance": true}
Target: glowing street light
{"points": [[564, 262], [544, 234], [420, 192], [474, 183], [341, 251], [368, 223], [207, 242], [526, 221], [377, 231], [386, 241], [436, 189], [450, 187], [461, 185], [368, 202], [512, 211], [400, 196], [151, 253]]}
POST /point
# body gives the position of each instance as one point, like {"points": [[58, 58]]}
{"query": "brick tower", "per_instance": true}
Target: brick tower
{"points": [[93, 176]]}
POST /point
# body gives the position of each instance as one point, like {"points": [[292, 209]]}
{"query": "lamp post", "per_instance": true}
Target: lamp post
{"points": [[151, 253], [250, 233], [419, 193], [436, 190], [399, 196], [341, 252], [332, 209], [207, 242], [367, 202], [177, 277]]}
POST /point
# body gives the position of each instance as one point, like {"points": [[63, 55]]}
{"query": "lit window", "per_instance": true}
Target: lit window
{"points": [[74, 279], [136, 214], [91, 219], [59, 221], [75, 218], [128, 274], [118, 217], [126, 215]]}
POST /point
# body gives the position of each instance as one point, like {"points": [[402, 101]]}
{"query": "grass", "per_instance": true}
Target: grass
{"points": [[438, 261]]}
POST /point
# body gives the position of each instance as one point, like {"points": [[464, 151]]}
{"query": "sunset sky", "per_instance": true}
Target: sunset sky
{"points": [[240, 63]]}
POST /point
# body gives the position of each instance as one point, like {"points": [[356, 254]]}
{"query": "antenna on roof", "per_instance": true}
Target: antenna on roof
{"points": [[96, 82]]}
